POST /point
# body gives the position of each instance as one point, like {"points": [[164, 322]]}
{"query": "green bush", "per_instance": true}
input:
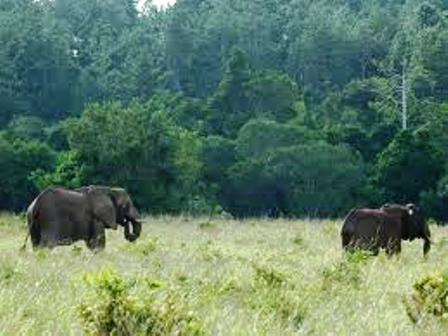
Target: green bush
{"points": [[430, 297], [347, 271], [316, 179], [8, 273], [144, 247], [18, 160], [141, 149], [272, 292], [70, 172], [119, 306], [397, 174]]}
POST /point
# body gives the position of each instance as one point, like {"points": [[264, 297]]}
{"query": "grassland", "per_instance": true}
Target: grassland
{"points": [[253, 277]]}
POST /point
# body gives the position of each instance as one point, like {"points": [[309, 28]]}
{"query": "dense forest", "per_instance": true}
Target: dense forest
{"points": [[302, 107]]}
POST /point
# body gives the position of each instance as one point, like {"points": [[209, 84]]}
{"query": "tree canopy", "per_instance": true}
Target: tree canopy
{"points": [[308, 107]]}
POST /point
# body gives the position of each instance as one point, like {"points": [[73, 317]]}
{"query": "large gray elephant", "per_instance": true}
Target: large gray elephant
{"points": [[60, 216], [372, 229]]}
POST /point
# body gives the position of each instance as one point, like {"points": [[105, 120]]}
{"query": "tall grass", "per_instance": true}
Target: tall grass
{"points": [[189, 276]]}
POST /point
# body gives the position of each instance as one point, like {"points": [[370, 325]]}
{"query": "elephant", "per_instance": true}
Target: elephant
{"points": [[60, 216], [386, 227]]}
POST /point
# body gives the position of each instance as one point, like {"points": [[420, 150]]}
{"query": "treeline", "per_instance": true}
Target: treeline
{"points": [[301, 107]]}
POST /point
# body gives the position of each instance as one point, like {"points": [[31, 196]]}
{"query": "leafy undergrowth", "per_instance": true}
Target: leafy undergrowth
{"points": [[430, 298], [135, 306], [347, 271], [253, 277]]}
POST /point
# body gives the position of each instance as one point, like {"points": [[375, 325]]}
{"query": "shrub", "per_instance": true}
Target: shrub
{"points": [[347, 271], [156, 310], [269, 276], [144, 247], [271, 292], [70, 172], [397, 172], [8, 272], [18, 160], [430, 297]]}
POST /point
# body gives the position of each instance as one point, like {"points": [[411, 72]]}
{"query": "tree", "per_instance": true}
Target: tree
{"points": [[272, 95], [217, 155], [19, 159], [409, 165], [297, 180], [139, 148], [69, 172], [259, 136], [27, 128], [230, 101]]}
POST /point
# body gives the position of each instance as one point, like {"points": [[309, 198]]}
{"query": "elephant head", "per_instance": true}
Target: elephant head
{"points": [[127, 214], [112, 206], [413, 222]]}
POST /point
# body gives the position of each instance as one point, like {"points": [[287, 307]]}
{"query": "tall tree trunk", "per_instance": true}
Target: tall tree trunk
{"points": [[404, 97]]}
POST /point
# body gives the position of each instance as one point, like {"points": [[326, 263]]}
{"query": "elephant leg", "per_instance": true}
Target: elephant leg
{"points": [[368, 244], [346, 241], [97, 239], [47, 240], [97, 243], [393, 246]]}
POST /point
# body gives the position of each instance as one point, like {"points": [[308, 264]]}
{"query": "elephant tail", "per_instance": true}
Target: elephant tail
{"points": [[24, 243], [347, 228], [32, 222], [29, 219]]}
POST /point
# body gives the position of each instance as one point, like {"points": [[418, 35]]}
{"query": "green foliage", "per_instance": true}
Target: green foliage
{"points": [[112, 309], [259, 136], [225, 104], [230, 98], [272, 95], [145, 247], [70, 172], [433, 201], [430, 297], [272, 293], [244, 94], [346, 272], [397, 172], [138, 148], [8, 273], [269, 277], [298, 180], [19, 159], [27, 128]]}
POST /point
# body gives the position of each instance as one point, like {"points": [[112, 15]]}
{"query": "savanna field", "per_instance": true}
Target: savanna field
{"points": [[189, 276]]}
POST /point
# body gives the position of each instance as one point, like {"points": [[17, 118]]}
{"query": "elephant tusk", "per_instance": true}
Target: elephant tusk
{"points": [[136, 230]]}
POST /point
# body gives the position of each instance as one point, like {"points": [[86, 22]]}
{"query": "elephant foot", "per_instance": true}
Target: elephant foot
{"points": [[97, 244]]}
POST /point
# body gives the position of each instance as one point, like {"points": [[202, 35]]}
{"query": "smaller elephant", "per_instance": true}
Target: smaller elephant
{"points": [[372, 229], [60, 216]]}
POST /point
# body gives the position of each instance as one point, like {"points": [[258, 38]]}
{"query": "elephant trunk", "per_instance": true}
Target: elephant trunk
{"points": [[136, 230]]}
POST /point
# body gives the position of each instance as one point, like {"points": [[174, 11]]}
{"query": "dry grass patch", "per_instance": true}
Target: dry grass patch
{"points": [[225, 277]]}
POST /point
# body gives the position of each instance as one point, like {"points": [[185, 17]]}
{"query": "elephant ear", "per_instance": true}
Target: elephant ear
{"points": [[102, 205], [122, 203], [400, 214]]}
